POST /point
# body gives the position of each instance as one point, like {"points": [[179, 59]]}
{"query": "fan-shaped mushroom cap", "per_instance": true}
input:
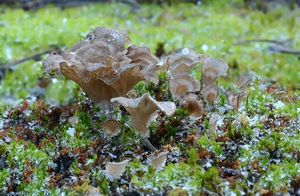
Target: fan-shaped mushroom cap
{"points": [[143, 110], [181, 84], [147, 62], [158, 161], [210, 93], [244, 81], [181, 62], [235, 99], [114, 170], [191, 103], [111, 127], [212, 69], [99, 43], [100, 65]]}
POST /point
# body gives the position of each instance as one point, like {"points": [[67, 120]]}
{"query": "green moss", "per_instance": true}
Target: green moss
{"points": [[4, 175], [277, 177], [28, 157], [206, 143], [192, 156]]}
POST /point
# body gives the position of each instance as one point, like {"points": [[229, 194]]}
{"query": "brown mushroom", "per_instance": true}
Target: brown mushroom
{"points": [[191, 103], [142, 57], [143, 110], [244, 81], [210, 93], [111, 127], [114, 170], [182, 83], [158, 161], [212, 69], [181, 62], [235, 99], [100, 65]]}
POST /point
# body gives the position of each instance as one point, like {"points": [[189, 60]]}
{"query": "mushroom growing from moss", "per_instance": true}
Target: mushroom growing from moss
{"points": [[158, 161], [143, 110], [114, 170], [212, 69], [180, 65], [210, 93], [142, 57], [182, 84], [181, 62], [102, 66], [111, 127], [235, 98], [193, 105], [244, 81]]}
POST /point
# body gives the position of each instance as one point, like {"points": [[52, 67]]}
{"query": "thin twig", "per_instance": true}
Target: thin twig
{"points": [[260, 40]]}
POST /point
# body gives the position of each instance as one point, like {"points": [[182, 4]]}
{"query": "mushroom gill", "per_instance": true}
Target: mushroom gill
{"points": [[193, 105], [102, 66], [143, 110], [181, 84], [210, 93]]}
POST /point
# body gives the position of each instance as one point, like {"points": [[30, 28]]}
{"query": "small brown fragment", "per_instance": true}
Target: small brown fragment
{"points": [[111, 127]]}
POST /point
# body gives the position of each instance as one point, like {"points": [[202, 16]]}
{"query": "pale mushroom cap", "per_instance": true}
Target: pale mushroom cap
{"points": [[101, 42], [101, 67], [111, 127], [114, 170], [143, 110], [210, 93], [142, 57], [244, 81], [212, 69], [182, 84], [193, 105], [158, 161], [181, 62]]}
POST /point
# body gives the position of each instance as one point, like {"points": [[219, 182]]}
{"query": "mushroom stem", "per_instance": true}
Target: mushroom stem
{"points": [[147, 144]]}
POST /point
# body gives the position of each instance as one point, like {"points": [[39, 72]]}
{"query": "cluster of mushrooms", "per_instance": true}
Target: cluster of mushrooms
{"points": [[107, 71]]}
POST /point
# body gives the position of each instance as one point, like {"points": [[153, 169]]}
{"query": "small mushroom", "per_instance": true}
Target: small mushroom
{"points": [[244, 81], [181, 62], [191, 103], [182, 84], [143, 110], [114, 170], [212, 69], [210, 93], [158, 161], [142, 57], [111, 127], [102, 66], [235, 99]]}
